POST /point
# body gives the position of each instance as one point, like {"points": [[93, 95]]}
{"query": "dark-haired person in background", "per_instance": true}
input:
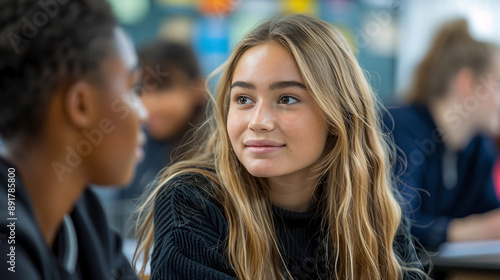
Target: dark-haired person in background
{"points": [[445, 135], [173, 95], [69, 116]]}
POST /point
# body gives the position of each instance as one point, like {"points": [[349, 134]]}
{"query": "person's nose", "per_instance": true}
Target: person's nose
{"points": [[262, 118]]}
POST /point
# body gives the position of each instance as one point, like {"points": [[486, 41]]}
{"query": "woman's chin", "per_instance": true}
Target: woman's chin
{"points": [[262, 172]]}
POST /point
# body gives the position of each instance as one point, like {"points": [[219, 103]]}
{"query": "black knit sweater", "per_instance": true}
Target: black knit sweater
{"points": [[191, 231]]}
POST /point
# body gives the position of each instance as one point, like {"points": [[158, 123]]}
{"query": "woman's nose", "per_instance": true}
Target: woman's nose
{"points": [[262, 118]]}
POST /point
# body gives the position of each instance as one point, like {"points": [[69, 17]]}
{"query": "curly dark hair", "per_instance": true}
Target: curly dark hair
{"points": [[44, 46]]}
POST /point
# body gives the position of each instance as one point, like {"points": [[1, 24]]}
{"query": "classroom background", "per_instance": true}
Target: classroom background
{"points": [[389, 36]]}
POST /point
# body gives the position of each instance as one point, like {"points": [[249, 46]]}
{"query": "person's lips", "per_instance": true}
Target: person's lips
{"points": [[262, 146]]}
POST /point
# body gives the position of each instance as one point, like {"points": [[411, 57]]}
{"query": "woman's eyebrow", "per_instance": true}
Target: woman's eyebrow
{"points": [[243, 85], [286, 84], [273, 86]]}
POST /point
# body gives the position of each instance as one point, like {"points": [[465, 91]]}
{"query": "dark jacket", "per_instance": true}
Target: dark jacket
{"points": [[439, 184], [85, 247]]}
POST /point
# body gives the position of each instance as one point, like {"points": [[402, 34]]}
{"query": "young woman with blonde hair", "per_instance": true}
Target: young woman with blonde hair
{"points": [[293, 179]]}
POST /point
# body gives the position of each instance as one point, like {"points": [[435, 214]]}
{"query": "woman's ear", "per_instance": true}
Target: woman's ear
{"points": [[79, 104]]}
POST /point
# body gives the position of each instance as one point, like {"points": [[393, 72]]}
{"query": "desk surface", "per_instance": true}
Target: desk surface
{"points": [[484, 263], [478, 257]]}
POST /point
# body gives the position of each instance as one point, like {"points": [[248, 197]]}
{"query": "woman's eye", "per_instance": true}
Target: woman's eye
{"points": [[243, 100], [288, 100]]}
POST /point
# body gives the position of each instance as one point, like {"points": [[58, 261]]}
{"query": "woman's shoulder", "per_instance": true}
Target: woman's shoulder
{"points": [[188, 201], [190, 230], [187, 187]]}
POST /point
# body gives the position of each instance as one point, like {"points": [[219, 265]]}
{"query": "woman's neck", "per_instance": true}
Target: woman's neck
{"points": [[51, 197], [453, 121], [293, 193]]}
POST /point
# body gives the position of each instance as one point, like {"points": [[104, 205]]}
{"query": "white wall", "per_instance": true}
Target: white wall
{"points": [[420, 19]]}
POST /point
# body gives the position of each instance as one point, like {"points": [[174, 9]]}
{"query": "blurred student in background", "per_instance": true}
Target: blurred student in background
{"points": [[445, 136], [69, 116], [292, 179], [172, 92]]}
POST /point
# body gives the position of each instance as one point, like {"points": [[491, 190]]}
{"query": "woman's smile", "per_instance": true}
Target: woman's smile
{"points": [[262, 146]]}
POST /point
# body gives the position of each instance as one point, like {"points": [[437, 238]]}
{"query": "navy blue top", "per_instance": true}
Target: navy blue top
{"points": [[438, 183]]}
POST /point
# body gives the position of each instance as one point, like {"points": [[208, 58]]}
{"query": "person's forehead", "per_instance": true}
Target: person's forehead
{"points": [[267, 63]]}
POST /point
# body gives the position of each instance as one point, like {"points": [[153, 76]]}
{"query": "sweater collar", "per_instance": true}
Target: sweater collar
{"points": [[296, 218]]}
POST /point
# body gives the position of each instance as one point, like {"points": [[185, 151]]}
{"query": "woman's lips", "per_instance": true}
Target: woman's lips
{"points": [[263, 149], [262, 146]]}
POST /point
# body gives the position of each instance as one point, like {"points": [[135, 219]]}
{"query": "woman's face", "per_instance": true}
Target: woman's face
{"points": [[274, 125]]}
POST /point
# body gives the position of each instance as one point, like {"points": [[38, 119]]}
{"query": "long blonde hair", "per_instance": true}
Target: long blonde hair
{"points": [[360, 215]]}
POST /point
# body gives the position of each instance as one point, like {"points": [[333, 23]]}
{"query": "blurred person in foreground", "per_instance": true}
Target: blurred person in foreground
{"points": [[445, 139], [69, 116]]}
